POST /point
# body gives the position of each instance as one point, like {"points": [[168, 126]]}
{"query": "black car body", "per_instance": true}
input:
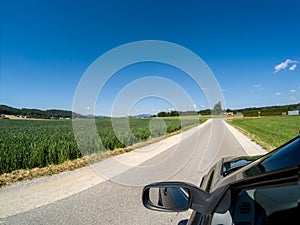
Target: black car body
{"points": [[259, 190]]}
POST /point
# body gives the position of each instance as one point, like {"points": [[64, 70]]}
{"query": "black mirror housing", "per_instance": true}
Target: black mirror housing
{"points": [[180, 196], [172, 196]]}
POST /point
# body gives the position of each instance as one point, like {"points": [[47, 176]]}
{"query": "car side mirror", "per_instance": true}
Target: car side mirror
{"points": [[175, 199], [179, 196], [172, 196]]}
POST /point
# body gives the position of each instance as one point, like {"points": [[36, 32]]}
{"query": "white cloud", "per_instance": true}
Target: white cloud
{"points": [[293, 67], [257, 85], [277, 93], [293, 91], [285, 64]]}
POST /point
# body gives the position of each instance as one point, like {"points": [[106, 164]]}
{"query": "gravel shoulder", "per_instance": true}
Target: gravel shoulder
{"points": [[248, 145]]}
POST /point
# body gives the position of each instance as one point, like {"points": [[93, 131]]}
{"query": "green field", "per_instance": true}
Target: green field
{"points": [[270, 132], [26, 144]]}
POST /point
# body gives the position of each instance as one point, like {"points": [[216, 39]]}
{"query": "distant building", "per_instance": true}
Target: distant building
{"points": [[294, 112], [227, 113]]}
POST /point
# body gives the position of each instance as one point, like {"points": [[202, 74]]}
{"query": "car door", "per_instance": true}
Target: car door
{"points": [[272, 198]]}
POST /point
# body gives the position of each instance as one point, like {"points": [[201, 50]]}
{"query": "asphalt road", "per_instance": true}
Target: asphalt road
{"points": [[110, 192]]}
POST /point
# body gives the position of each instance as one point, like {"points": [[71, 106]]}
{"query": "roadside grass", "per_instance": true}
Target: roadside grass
{"points": [[269, 132], [69, 165]]}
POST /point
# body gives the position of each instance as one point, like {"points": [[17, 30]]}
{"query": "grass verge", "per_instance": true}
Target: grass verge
{"points": [[269, 132]]}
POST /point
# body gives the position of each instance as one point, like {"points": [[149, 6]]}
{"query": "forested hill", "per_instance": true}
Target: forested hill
{"points": [[37, 113]]}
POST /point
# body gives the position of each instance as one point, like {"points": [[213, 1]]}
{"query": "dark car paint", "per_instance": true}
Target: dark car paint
{"points": [[283, 157]]}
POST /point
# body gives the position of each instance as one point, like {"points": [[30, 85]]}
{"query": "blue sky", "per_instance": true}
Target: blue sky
{"points": [[252, 48]]}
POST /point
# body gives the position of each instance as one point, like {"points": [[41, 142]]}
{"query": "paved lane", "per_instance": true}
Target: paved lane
{"points": [[118, 199]]}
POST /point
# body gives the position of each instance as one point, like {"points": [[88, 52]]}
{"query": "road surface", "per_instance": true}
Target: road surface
{"points": [[109, 192]]}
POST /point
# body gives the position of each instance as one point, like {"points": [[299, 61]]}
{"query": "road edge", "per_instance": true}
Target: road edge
{"points": [[250, 147]]}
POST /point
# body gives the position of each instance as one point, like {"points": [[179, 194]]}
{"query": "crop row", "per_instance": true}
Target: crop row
{"points": [[26, 144]]}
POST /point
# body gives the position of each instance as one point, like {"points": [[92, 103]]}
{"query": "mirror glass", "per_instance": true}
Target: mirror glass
{"points": [[170, 198]]}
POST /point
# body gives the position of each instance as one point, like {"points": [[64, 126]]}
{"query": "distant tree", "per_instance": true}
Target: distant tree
{"points": [[161, 114], [205, 112], [217, 109], [174, 113]]}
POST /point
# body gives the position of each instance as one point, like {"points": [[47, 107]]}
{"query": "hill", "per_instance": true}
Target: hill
{"points": [[37, 113]]}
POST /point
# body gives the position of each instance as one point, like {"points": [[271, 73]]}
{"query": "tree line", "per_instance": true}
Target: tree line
{"points": [[216, 110], [37, 113], [248, 112]]}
